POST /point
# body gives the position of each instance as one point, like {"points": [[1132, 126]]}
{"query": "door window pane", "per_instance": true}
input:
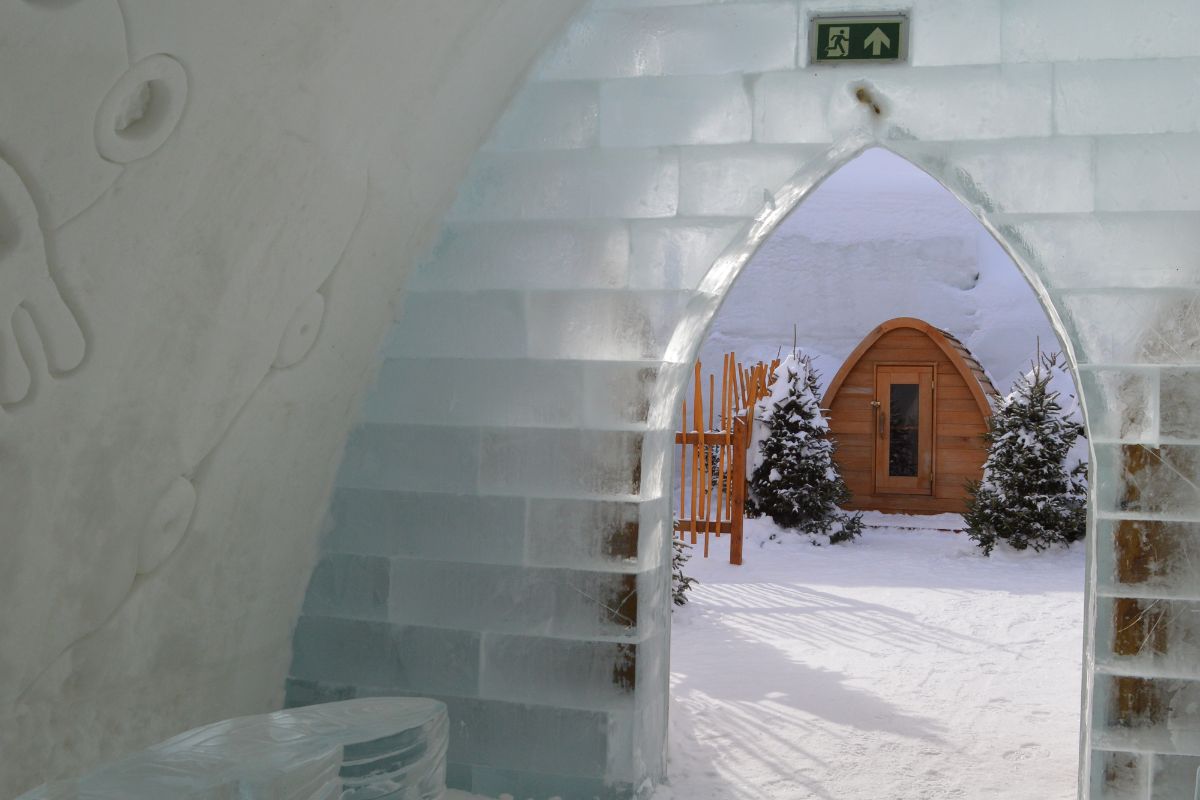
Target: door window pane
{"points": [[905, 415]]}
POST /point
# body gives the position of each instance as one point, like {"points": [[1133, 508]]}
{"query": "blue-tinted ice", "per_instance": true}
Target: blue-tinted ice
{"points": [[366, 749]]}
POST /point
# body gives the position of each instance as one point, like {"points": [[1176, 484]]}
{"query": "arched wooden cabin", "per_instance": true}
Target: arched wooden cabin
{"points": [[908, 411]]}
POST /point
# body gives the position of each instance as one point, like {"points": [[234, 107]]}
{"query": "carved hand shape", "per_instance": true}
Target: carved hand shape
{"points": [[35, 322]]}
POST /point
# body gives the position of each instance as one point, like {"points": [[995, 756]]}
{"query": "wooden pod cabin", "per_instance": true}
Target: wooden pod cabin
{"points": [[908, 411]]}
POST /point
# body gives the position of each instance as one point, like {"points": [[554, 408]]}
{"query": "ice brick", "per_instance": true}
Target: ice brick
{"points": [[688, 40], [349, 585], [436, 526], [1174, 777], [1122, 403], [994, 175], [1148, 173], [1149, 636], [1179, 404], [561, 672], [1132, 327], [533, 601], [635, 183], [459, 325], [584, 533], [650, 112], [1160, 715], [1033, 30], [549, 116], [603, 325], [1148, 558], [380, 654], [563, 741], [1137, 478], [618, 395], [364, 749], [1110, 249], [736, 180], [411, 457], [477, 391], [1124, 96], [533, 255], [569, 463], [1120, 775], [676, 254]]}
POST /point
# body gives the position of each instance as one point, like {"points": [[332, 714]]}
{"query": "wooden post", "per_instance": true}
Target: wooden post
{"points": [[740, 441]]}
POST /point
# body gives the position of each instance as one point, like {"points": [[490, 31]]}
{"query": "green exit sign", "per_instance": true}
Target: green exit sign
{"points": [[835, 40]]}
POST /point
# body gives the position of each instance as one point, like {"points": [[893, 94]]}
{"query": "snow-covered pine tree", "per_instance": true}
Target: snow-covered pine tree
{"points": [[1029, 497], [795, 481], [680, 584]]}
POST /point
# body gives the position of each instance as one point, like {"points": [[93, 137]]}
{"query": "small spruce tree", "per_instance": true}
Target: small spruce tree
{"points": [[1029, 497], [680, 584], [795, 481]]}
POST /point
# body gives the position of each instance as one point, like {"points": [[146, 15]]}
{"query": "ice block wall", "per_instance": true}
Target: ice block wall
{"points": [[498, 533], [205, 209]]}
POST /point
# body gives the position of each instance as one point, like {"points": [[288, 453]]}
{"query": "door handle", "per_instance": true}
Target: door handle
{"points": [[882, 423]]}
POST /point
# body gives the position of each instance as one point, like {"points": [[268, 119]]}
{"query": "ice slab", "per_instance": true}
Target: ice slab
{"points": [[398, 658], [1131, 173], [1168, 562], [1032, 31], [528, 255], [994, 175], [436, 526], [1111, 97], [688, 40], [549, 116], [635, 183], [1134, 327], [355, 749], [677, 110]]}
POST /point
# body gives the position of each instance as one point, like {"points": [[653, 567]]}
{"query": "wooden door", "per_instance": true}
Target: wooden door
{"points": [[904, 429]]}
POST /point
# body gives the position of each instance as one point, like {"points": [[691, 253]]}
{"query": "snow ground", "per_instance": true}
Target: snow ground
{"points": [[899, 667]]}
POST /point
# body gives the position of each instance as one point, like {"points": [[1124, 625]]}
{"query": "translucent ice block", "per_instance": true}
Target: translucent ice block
{"points": [[1096, 97], [530, 186], [549, 116], [677, 110], [1130, 173], [689, 40], [528, 255], [355, 750], [994, 176]]}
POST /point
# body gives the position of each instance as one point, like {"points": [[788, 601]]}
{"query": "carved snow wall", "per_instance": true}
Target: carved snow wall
{"points": [[205, 209], [499, 531]]}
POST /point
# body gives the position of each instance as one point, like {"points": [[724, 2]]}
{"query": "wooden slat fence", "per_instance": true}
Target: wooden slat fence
{"points": [[712, 454]]}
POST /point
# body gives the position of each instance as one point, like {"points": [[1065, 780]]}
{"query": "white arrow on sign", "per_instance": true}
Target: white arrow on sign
{"points": [[877, 41]]}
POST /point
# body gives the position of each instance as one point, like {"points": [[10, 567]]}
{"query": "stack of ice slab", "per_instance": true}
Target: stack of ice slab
{"points": [[367, 749]]}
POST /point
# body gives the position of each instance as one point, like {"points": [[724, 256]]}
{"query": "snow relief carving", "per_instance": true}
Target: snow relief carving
{"points": [[142, 109], [301, 332], [27, 288]]}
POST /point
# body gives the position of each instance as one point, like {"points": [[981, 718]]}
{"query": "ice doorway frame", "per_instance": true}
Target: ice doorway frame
{"points": [[693, 329]]}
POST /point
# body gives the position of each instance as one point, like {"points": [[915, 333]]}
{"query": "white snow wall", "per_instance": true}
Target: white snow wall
{"points": [[205, 208], [498, 535]]}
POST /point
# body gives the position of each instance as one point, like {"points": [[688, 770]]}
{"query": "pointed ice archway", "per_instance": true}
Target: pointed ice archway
{"points": [[499, 529]]}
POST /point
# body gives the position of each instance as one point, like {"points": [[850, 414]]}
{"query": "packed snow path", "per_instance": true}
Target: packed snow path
{"points": [[901, 666]]}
